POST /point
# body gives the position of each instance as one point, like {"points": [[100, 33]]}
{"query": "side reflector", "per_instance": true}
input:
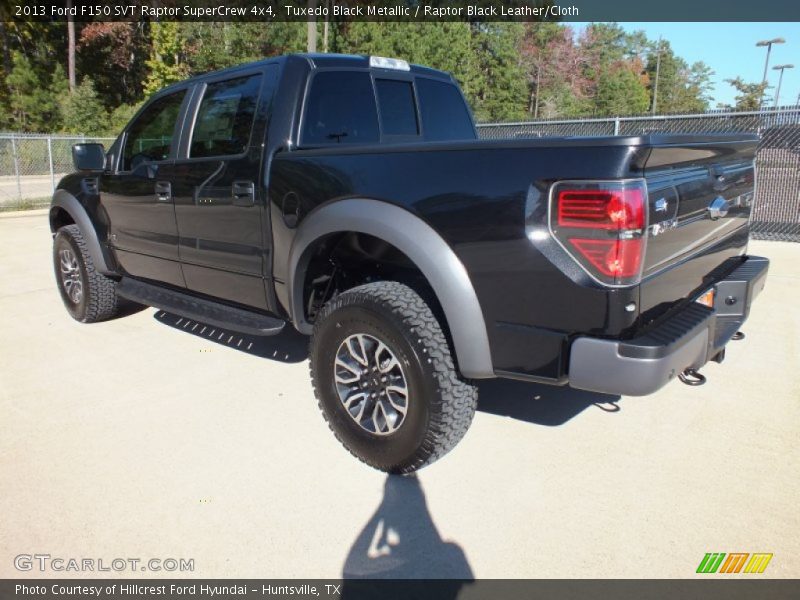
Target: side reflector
{"points": [[707, 298]]}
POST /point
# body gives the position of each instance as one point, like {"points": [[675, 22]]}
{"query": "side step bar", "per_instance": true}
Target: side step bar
{"points": [[206, 311]]}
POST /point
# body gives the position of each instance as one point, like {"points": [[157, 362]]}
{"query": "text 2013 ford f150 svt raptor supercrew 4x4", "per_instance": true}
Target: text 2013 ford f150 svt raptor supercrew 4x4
{"points": [[350, 198]]}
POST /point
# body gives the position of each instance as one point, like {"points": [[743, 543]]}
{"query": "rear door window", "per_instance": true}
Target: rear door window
{"points": [[444, 112], [150, 136], [225, 118], [341, 109], [398, 109]]}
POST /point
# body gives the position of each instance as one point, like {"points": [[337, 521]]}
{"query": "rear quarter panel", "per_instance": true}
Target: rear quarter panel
{"points": [[476, 196]]}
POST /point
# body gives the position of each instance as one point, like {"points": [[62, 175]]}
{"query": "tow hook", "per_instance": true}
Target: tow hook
{"points": [[739, 335], [692, 377]]}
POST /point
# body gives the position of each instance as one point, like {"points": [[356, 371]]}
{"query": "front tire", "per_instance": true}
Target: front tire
{"points": [[88, 295], [385, 380]]}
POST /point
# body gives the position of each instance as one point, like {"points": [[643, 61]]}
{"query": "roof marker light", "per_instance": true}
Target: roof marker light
{"points": [[381, 62]]}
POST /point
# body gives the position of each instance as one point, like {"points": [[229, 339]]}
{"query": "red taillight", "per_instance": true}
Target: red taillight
{"points": [[602, 225], [601, 209], [614, 258]]}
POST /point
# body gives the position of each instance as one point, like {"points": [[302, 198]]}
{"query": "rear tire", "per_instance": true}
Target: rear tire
{"points": [[385, 380], [88, 295]]}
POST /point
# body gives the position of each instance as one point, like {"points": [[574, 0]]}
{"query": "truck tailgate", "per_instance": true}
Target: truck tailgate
{"points": [[700, 194]]}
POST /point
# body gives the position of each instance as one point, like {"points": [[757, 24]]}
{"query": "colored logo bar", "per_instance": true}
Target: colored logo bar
{"points": [[714, 562]]}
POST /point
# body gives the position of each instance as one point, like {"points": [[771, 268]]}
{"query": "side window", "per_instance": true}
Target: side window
{"points": [[225, 118], [398, 112], [149, 137], [444, 113], [341, 108]]}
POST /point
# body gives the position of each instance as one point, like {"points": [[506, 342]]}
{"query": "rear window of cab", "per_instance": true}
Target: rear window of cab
{"points": [[353, 107]]}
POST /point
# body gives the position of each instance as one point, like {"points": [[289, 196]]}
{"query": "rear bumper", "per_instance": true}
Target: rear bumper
{"points": [[689, 339]]}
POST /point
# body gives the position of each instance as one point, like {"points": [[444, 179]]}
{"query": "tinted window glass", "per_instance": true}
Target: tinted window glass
{"points": [[225, 118], [150, 135], [398, 113], [444, 113], [341, 108]]}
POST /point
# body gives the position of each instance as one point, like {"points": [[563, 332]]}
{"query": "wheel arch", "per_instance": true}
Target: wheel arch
{"points": [[65, 206], [431, 254]]}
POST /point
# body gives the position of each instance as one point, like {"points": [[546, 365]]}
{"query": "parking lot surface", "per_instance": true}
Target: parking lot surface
{"points": [[150, 437]]}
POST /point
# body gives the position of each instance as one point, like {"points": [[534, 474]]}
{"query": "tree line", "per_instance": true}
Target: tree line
{"points": [[91, 77]]}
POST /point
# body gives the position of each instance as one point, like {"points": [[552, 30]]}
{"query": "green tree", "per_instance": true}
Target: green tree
{"points": [[499, 88], [31, 103], [120, 116], [749, 94], [445, 46], [114, 53], [681, 89], [82, 111], [612, 62], [620, 92], [554, 65], [166, 62], [211, 46]]}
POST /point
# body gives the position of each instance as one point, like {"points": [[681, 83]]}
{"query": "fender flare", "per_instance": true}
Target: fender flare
{"points": [[424, 246], [66, 201]]}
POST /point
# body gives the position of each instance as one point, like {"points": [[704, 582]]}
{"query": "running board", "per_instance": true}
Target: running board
{"points": [[198, 309]]}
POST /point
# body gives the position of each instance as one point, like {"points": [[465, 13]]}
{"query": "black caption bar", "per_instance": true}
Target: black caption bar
{"points": [[408, 589], [408, 10]]}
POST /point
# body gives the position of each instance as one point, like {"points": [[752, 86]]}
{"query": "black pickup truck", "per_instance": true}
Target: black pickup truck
{"points": [[350, 197]]}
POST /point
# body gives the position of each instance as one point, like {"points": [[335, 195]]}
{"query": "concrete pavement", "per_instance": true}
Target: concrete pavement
{"points": [[146, 438]]}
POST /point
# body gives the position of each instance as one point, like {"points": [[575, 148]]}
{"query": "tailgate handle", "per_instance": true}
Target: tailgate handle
{"points": [[244, 193]]}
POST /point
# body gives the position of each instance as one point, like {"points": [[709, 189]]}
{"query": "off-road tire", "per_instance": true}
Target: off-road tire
{"points": [[440, 403], [99, 300]]}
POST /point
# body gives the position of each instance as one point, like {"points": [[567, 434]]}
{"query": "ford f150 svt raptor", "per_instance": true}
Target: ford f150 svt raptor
{"points": [[350, 197]]}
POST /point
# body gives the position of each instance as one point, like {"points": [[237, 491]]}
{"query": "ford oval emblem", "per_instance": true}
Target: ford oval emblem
{"points": [[719, 207]]}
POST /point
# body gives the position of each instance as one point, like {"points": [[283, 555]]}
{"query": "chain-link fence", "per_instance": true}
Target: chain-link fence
{"points": [[32, 164], [776, 214]]}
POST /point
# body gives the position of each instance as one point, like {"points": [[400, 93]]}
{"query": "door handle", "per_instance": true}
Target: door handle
{"points": [[163, 191], [244, 193]]}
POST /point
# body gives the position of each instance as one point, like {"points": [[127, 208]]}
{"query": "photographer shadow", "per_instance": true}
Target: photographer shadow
{"points": [[400, 541]]}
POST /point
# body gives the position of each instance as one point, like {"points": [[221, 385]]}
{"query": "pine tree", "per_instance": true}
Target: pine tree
{"points": [[681, 88], [82, 111], [750, 94], [166, 62], [620, 92], [32, 106]]}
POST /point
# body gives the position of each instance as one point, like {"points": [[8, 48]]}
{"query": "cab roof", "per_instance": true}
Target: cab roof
{"points": [[315, 61]]}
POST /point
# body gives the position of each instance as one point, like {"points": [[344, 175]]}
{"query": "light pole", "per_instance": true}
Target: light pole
{"points": [[780, 68], [768, 44], [658, 69]]}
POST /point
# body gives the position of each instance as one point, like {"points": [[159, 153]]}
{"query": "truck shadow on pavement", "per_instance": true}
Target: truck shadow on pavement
{"points": [[539, 403], [530, 402], [400, 541], [288, 346]]}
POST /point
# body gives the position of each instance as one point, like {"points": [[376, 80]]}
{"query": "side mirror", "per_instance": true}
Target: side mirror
{"points": [[89, 157]]}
